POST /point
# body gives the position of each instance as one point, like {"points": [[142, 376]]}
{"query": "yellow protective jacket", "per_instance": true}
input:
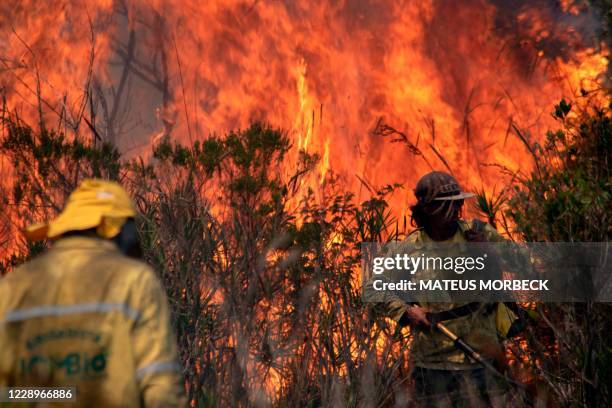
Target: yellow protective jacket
{"points": [[85, 315], [482, 329]]}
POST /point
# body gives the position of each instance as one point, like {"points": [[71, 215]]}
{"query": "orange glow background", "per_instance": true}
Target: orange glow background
{"points": [[344, 78], [451, 76]]}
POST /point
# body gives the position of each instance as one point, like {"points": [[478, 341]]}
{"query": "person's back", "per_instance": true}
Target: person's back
{"points": [[85, 315]]}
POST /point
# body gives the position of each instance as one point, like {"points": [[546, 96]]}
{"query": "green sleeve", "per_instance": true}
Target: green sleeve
{"points": [[386, 303]]}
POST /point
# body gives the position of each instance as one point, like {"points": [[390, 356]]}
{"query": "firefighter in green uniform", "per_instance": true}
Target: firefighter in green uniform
{"points": [[443, 375]]}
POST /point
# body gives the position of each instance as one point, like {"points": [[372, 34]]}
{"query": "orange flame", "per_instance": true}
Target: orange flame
{"points": [[448, 75], [444, 74]]}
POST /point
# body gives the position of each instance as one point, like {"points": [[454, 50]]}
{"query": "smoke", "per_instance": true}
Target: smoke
{"points": [[549, 26]]}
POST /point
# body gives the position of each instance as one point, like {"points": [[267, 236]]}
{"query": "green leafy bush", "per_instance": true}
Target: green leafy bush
{"points": [[567, 198], [263, 274]]}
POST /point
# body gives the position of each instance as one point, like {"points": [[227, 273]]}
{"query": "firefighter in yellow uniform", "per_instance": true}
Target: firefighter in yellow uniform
{"points": [[440, 370], [87, 314]]}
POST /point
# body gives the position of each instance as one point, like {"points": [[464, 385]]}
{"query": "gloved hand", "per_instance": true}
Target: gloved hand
{"points": [[415, 316]]}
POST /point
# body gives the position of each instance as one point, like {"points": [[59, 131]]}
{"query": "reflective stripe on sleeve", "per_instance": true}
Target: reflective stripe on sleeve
{"points": [[157, 367], [61, 310]]}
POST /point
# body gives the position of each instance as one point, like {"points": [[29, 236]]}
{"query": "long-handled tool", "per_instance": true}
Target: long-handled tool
{"points": [[473, 354]]}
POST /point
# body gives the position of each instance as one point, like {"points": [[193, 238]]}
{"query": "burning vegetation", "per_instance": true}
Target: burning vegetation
{"points": [[263, 141]]}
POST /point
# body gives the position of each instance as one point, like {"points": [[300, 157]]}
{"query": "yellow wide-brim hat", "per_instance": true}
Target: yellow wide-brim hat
{"points": [[95, 203]]}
